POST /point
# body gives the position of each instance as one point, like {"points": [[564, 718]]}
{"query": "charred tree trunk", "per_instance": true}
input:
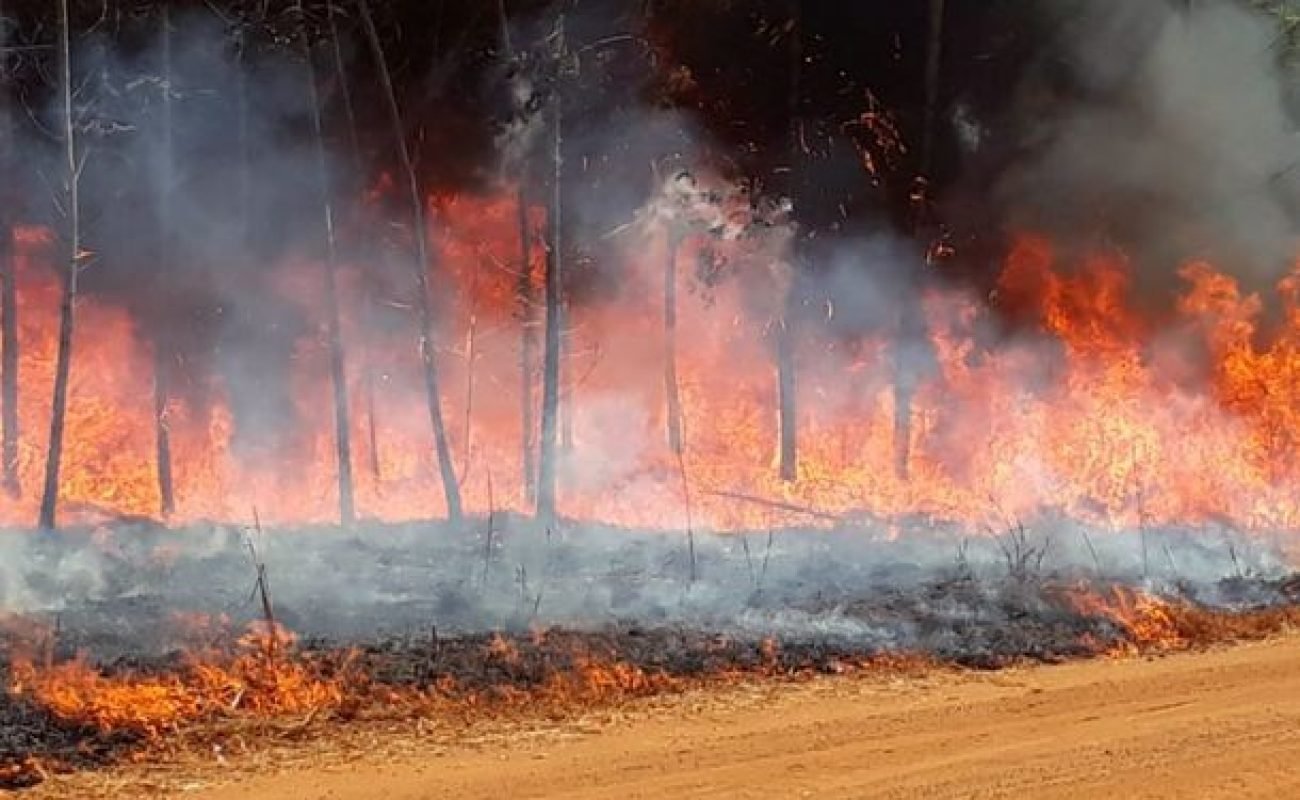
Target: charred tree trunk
{"points": [[547, 467], [787, 386], [162, 360], [8, 306], [672, 392], [67, 305], [337, 359], [447, 470]]}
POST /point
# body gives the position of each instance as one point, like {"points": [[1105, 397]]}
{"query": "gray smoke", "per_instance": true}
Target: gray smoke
{"points": [[1174, 132], [856, 583]]}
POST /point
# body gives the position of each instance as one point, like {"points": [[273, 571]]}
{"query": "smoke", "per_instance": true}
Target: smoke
{"points": [[199, 188], [1188, 150], [1165, 125], [119, 594]]}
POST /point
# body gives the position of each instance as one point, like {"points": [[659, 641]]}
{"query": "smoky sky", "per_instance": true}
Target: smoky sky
{"points": [[1164, 128], [1161, 126]]}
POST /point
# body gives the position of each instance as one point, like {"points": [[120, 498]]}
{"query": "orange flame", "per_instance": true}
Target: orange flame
{"points": [[1105, 413], [254, 681]]}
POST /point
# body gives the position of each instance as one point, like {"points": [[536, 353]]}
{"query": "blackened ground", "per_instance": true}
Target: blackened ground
{"points": [[32, 740], [499, 614]]}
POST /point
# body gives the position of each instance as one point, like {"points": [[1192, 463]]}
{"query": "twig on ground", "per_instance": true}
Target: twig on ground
{"points": [[262, 589], [777, 504]]}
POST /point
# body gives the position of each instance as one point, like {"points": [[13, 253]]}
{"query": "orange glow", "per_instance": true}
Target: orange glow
{"points": [[1103, 413]]}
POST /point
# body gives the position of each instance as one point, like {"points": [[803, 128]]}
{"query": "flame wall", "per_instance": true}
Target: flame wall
{"points": [[1093, 410]]}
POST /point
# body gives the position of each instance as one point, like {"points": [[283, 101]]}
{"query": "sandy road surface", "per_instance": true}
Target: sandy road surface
{"points": [[1219, 724]]}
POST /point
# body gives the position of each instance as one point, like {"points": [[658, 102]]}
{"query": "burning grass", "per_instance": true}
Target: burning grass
{"points": [[72, 714]]}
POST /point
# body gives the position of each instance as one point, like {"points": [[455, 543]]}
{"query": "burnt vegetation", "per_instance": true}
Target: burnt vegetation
{"points": [[177, 654]]}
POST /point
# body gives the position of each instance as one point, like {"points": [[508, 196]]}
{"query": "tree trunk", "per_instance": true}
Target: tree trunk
{"points": [[162, 360], [912, 328], [8, 308], [527, 348], [245, 140], [785, 364], [338, 370], [672, 392], [787, 391], [447, 470], [524, 297], [9, 367], [471, 361], [67, 306], [358, 167], [933, 60], [547, 467]]}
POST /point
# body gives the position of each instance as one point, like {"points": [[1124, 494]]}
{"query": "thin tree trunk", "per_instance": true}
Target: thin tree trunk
{"points": [[8, 309], [672, 392], [471, 357], [245, 230], [933, 60], [245, 142], [524, 297], [67, 306], [527, 348], [338, 368], [912, 327], [568, 386], [446, 469], [368, 386], [785, 363], [547, 468], [162, 359], [367, 300], [9, 344], [787, 392]]}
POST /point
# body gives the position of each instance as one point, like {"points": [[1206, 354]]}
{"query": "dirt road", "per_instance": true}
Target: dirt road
{"points": [[1220, 724]]}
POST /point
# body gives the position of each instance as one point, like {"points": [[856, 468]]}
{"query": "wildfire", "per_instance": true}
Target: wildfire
{"points": [[1115, 417], [1151, 624], [266, 679], [1147, 622], [253, 681]]}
